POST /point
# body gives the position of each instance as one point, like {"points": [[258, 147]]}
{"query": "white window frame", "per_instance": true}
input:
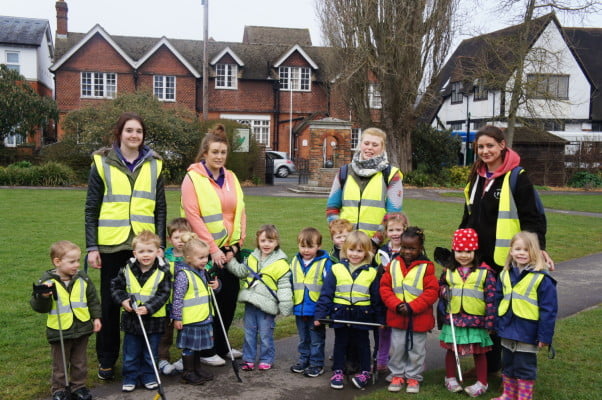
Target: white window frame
{"points": [[102, 85], [260, 125], [456, 93], [226, 76], [11, 64], [164, 87], [13, 140], [374, 96], [480, 91], [297, 79], [548, 86], [356, 134]]}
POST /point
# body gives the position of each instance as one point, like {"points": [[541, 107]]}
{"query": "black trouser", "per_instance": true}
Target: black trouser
{"points": [[226, 301], [108, 339], [494, 356]]}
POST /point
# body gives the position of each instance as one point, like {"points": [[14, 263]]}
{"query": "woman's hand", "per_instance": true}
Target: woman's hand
{"points": [[218, 258], [94, 259], [548, 260], [214, 284]]}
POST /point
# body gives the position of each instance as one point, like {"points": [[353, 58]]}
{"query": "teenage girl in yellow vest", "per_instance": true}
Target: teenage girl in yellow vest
{"points": [[350, 292], [125, 196], [78, 307], [266, 292], [467, 289], [192, 310], [527, 309], [409, 289]]}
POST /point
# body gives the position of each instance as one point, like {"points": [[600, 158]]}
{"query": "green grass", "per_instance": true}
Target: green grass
{"points": [[574, 374], [30, 220]]}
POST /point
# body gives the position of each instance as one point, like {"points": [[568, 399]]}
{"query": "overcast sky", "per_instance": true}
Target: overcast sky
{"points": [[183, 19]]}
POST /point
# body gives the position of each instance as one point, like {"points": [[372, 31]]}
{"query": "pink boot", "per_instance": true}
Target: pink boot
{"points": [[525, 389], [510, 389]]}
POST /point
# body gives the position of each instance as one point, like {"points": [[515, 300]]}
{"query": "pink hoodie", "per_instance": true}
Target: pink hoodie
{"points": [[511, 160], [228, 200]]}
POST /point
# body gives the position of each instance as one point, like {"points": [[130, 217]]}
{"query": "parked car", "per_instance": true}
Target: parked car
{"points": [[283, 166]]}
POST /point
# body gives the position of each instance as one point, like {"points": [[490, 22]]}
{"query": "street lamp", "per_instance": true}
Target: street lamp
{"points": [[467, 95]]}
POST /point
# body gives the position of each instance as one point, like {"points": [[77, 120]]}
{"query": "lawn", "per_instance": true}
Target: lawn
{"points": [[32, 219]]}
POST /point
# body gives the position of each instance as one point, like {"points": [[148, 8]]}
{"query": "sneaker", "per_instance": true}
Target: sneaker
{"points": [[214, 361], [128, 387], [81, 394], [313, 372], [413, 386], [452, 385], [60, 395], [235, 353], [151, 385], [166, 368], [396, 384], [299, 368], [476, 390], [361, 380], [389, 378], [178, 365], [105, 373], [247, 366], [336, 382], [264, 366]]}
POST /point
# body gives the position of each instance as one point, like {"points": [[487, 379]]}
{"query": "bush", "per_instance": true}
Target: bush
{"points": [[433, 150], [458, 176], [585, 179], [48, 174]]}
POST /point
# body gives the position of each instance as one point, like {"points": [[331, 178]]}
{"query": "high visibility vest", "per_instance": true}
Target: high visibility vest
{"points": [[125, 208], [349, 291], [366, 209], [211, 209], [196, 300], [312, 280], [523, 296], [144, 293], [68, 305], [270, 273], [507, 224], [410, 286], [469, 294]]}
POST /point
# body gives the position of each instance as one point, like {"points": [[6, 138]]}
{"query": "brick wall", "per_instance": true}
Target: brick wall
{"points": [[329, 131]]}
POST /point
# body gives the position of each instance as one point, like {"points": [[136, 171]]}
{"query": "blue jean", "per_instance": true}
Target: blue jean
{"points": [[311, 342], [519, 364], [137, 363], [259, 326], [359, 339]]}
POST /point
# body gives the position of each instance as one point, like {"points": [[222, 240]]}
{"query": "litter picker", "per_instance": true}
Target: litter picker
{"points": [[62, 340], [343, 321], [160, 393], [221, 322], [448, 296]]}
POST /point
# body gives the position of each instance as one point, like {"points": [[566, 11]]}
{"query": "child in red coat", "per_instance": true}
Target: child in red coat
{"points": [[409, 288]]}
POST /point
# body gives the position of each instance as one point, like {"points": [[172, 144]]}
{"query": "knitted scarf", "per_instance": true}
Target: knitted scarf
{"points": [[369, 167]]}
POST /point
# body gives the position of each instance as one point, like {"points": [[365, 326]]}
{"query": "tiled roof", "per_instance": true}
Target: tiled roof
{"points": [[524, 135], [23, 31], [273, 35]]}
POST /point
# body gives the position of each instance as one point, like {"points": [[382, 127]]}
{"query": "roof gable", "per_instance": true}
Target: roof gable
{"points": [[222, 53], [165, 42], [295, 48]]}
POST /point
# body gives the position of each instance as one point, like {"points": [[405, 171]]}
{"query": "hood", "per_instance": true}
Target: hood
{"points": [[272, 258], [511, 160]]}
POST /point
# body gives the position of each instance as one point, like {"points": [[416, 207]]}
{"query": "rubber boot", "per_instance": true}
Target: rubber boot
{"points": [[198, 369], [510, 389], [189, 375], [525, 389]]}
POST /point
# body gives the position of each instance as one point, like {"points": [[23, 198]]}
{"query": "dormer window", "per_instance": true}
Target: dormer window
{"points": [[226, 76], [295, 78]]}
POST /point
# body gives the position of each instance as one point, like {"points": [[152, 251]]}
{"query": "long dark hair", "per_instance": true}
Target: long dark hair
{"points": [[496, 134], [118, 128]]}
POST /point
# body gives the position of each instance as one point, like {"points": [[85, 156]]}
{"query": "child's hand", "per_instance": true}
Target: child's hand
{"points": [[48, 294], [97, 325], [126, 305], [178, 325], [142, 310], [214, 284], [317, 323], [402, 309], [540, 344]]}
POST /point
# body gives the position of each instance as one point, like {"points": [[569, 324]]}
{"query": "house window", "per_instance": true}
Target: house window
{"points": [[456, 126], [295, 78], [226, 76], [480, 93], [374, 99], [553, 125], [355, 137], [478, 124], [259, 124], [13, 140], [547, 86], [456, 93], [12, 61], [164, 87], [98, 84]]}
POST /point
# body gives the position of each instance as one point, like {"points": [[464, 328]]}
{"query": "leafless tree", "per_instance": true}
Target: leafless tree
{"points": [[391, 48]]}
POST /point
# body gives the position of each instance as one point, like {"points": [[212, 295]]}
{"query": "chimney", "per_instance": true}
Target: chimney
{"points": [[61, 19]]}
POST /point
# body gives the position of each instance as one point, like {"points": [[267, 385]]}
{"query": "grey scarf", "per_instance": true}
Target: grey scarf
{"points": [[367, 168]]}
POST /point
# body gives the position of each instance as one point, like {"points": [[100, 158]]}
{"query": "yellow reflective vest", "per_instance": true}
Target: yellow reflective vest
{"points": [[366, 209], [522, 297], [469, 294], [211, 209], [124, 207], [196, 305], [312, 280], [349, 291], [67, 305], [508, 223], [143, 293], [409, 287], [270, 274]]}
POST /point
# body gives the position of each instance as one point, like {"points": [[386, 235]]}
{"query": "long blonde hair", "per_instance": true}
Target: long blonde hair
{"points": [[532, 243], [358, 239]]}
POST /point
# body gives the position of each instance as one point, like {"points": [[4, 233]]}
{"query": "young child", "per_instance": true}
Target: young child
{"points": [[175, 229], [265, 293], [527, 307], [309, 267], [145, 277], [467, 289], [395, 224], [350, 292], [339, 229], [78, 308], [192, 311], [409, 289]]}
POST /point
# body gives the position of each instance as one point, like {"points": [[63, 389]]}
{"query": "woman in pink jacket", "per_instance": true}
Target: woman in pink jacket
{"points": [[212, 201]]}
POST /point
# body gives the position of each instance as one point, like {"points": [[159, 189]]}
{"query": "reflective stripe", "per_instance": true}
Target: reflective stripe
{"points": [[350, 203], [115, 198], [349, 291], [311, 280], [410, 286], [273, 272], [522, 297], [68, 305], [145, 292], [469, 294], [212, 218], [147, 219]]}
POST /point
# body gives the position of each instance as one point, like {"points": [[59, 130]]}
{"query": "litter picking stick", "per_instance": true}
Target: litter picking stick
{"points": [[453, 332], [221, 322], [342, 321], [67, 383], [160, 393]]}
